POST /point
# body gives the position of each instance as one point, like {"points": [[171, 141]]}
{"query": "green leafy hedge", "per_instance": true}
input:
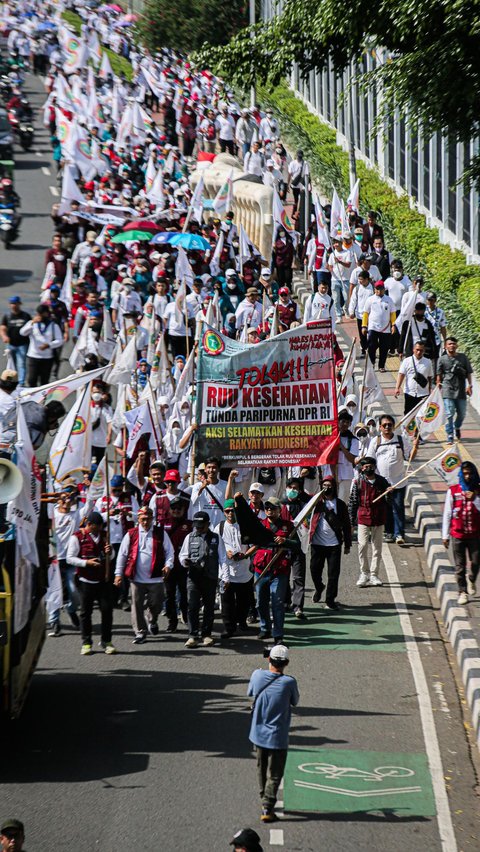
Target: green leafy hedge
{"points": [[119, 64], [445, 271]]}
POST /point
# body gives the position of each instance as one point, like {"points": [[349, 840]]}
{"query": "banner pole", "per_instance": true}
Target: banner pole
{"points": [[409, 475]]}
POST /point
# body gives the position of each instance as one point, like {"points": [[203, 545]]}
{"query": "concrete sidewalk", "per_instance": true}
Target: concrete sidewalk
{"points": [[425, 497]]}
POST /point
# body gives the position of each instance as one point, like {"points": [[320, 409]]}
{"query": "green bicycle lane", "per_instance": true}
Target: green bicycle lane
{"points": [[362, 758]]}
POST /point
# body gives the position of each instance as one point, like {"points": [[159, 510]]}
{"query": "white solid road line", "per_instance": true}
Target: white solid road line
{"points": [[445, 825], [54, 191], [46, 171], [276, 837]]}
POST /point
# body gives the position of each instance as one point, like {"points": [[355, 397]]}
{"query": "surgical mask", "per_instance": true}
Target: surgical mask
{"points": [[292, 493], [176, 430], [358, 238], [398, 276], [97, 397]]}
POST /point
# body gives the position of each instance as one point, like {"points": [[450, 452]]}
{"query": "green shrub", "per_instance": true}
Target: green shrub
{"points": [[119, 64], [407, 235]]}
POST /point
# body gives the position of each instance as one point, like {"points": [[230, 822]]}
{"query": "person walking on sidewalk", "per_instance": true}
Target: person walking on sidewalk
{"points": [[377, 324], [417, 371], [390, 450], [201, 553], [274, 694], [370, 518], [461, 524], [329, 529], [454, 377]]}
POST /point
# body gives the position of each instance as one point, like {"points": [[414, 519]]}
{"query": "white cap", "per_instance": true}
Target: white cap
{"points": [[257, 486], [265, 272], [230, 272], [280, 653], [155, 255], [270, 163]]}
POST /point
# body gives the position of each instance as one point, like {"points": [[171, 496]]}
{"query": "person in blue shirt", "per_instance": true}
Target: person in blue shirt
{"points": [[274, 694]]}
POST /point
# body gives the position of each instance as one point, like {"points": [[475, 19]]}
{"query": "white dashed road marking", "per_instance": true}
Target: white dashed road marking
{"points": [[276, 837], [54, 191], [46, 171]]}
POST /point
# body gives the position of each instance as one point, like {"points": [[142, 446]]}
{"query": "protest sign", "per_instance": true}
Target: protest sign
{"points": [[268, 404]]}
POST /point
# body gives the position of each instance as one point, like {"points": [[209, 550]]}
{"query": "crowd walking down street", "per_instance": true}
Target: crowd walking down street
{"points": [[213, 431]]}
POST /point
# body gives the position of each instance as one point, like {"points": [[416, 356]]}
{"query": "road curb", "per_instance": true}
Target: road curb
{"points": [[455, 618]]}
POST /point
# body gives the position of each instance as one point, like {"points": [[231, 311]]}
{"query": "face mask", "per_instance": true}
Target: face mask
{"points": [[97, 397], [176, 430], [358, 238], [292, 493], [398, 276], [368, 471]]}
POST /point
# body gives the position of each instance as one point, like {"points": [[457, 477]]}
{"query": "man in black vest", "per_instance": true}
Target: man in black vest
{"points": [[201, 553]]}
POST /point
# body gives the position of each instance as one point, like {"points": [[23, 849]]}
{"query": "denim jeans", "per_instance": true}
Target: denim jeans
{"points": [[70, 591], [245, 149], [19, 355], [340, 293], [452, 407], [272, 590], [396, 513]]}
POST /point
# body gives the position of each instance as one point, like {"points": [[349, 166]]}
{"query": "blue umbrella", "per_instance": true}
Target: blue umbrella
{"points": [[46, 25], [162, 238], [190, 242]]}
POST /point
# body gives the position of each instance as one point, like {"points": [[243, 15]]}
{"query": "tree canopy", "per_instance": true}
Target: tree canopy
{"points": [[187, 25], [432, 72]]}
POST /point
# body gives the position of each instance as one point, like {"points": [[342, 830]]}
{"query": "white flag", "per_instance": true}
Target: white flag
{"points": [[186, 378], [280, 215], [71, 448], [24, 510], [335, 214], [160, 373], [86, 343], [432, 414], [138, 422], [105, 67], [448, 465], [322, 229], [66, 294], [407, 309], [223, 200], [150, 175], [106, 343], [217, 254], [196, 203], [98, 485], [183, 270], [125, 364], [61, 388], [372, 390], [343, 219], [353, 199], [156, 192]]}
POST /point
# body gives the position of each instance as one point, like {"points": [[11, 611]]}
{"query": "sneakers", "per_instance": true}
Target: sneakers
{"points": [[332, 605], [363, 580], [399, 539], [388, 538], [471, 587], [153, 628], [56, 630], [300, 614], [207, 641], [374, 580], [264, 634], [192, 642], [462, 599], [139, 640], [74, 619], [109, 648], [268, 815], [86, 650]]}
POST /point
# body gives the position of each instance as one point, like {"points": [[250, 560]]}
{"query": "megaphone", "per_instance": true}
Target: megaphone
{"points": [[11, 481]]}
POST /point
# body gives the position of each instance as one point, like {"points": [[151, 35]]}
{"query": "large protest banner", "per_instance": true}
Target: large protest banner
{"points": [[267, 404]]}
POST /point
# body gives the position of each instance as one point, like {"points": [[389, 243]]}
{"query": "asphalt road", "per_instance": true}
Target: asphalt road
{"points": [[149, 749]]}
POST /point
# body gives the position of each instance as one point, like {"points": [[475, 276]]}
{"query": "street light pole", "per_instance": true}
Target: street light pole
{"points": [[352, 164], [253, 96]]}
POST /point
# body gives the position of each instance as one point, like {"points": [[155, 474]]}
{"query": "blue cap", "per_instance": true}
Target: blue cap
{"points": [[116, 481], [14, 300]]}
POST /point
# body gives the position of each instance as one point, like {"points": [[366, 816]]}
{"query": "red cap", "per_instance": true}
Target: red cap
{"points": [[89, 186], [284, 291], [379, 284], [172, 476]]}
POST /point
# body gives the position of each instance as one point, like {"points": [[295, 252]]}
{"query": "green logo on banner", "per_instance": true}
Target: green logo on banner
{"points": [[213, 343]]}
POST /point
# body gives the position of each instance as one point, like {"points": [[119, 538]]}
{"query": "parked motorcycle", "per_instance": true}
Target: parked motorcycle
{"points": [[25, 136], [9, 227]]}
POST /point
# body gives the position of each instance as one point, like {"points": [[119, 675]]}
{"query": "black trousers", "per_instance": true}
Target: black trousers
{"points": [[284, 276], [227, 145], [235, 605], [103, 594], [38, 371], [178, 345], [361, 337], [270, 768], [378, 340], [461, 547], [410, 402], [201, 591], [299, 568], [176, 580], [333, 557]]}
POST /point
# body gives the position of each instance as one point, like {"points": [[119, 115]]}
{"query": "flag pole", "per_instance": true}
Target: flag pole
{"points": [[69, 436], [107, 489], [154, 430], [409, 475], [362, 389], [347, 364], [185, 311]]}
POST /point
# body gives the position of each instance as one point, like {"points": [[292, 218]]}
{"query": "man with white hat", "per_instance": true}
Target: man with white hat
{"points": [[272, 177], [249, 311], [274, 694]]}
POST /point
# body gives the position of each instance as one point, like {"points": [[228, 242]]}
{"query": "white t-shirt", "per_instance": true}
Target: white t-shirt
{"points": [[373, 273], [104, 414], [340, 272], [320, 306], [396, 290], [409, 367], [379, 309], [225, 127], [174, 327], [202, 501]]}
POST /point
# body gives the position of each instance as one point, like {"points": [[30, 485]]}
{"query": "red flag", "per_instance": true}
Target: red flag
{"points": [[329, 454]]}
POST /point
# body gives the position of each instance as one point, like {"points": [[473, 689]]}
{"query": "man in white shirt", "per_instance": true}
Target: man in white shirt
{"points": [[390, 451], [236, 581], [272, 177], [365, 264], [226, 130], [249, 311], [125, 301], [174, 323], [417, 372], [377, 324], [320, 305], [397, 284], [209, 495], [341, 264], [145, 557], [330, 528], [348, 451], [298, 177], [356, 306], [268, 129], [44, 337], [254, 163]]}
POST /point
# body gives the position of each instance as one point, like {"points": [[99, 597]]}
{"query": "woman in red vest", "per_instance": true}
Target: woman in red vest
{"points": [[461, 523]]}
